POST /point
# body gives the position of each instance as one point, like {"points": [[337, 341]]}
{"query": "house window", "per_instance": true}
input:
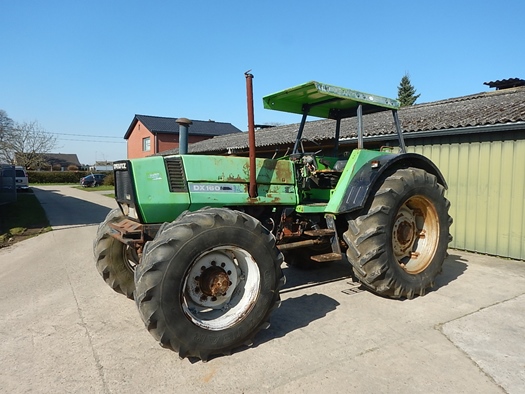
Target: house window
{"points": [[146, 144]]}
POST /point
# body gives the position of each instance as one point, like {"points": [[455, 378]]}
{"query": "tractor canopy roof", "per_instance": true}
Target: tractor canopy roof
{"points": [[327, 101]]}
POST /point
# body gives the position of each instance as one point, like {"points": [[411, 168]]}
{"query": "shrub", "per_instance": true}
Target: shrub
{"points": [[109, 180], [56, 176]]}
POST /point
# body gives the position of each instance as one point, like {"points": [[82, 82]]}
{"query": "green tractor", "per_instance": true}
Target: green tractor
{"points": [[199, 240]]}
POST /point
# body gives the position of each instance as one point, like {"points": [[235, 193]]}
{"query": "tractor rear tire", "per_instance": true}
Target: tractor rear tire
{"points": [[115, 261], [208, 282], [398, 242]]}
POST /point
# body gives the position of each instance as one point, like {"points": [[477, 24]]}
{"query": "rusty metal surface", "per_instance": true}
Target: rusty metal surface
{"points": [[214, 281], [276, 171], [322, 232], [252, 190], [326, 257], [301, 244], [128, 232], [290, 228]]}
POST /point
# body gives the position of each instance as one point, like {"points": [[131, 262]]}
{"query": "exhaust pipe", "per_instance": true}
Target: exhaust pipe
{"points": [[184, 124], [252, 190]]}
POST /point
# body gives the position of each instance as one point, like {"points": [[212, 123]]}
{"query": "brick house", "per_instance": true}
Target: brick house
{"points": [[147, 135]]}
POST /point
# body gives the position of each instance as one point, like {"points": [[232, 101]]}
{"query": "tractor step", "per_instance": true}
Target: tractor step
{"points": [[322, 232], [127, 231], [323, 258]]}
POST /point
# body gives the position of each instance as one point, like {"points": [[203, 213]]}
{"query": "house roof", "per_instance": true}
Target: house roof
{"points": [[160, 124], [62, 159], [482, 109], [505, 83]]}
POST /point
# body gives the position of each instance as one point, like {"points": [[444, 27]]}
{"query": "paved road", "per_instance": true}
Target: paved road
{"points": [[62, 330]]}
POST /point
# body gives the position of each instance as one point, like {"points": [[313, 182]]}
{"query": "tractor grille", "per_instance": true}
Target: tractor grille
{"points": [[177, 179], [123, 185]]}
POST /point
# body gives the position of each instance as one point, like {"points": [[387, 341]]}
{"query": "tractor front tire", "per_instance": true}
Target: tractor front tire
{"points": [[208, 282], [115, 261], [398, 242]]}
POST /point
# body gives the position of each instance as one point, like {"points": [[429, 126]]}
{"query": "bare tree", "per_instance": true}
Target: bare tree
{"points": [[25, 144], [5, 122]]}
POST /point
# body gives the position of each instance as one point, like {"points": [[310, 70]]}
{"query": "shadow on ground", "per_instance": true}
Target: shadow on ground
{"points": [[299, 312], [297, 278], [453, 267], [296, 313], [69, 211]]}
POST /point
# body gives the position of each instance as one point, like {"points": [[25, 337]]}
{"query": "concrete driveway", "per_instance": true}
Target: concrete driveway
{"points": [[63, 330]]}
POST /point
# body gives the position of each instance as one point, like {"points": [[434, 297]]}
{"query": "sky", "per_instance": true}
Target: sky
{"points": [[83, 69]]}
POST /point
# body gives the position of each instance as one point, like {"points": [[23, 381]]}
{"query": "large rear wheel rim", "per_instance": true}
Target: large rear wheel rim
{"points": [[415, 234], [221, 288]]}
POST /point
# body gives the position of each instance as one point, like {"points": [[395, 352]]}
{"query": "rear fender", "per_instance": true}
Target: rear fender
{"points": [[358, 190]]}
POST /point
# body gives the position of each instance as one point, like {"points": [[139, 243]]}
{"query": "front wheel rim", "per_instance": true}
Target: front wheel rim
{"points": [[221, 287], [415, 234], [131, 258]]}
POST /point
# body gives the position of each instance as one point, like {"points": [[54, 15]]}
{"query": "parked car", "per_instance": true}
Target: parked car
{"points": [[13, 177], [92, 180], [7, 177], [21, 179]]}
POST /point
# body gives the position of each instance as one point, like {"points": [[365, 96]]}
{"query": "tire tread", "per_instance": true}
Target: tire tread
{"points": [[366, 236], [148, 275]]}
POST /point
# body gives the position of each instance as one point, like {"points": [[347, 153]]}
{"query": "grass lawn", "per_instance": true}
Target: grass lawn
{"points": [[25, 218], [22, 219]]}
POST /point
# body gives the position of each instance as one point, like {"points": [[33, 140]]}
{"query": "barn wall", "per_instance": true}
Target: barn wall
{"points": [[486, 179]]}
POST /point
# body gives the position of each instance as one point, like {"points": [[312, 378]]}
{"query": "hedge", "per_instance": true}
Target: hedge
{"points": [[57, 176]]}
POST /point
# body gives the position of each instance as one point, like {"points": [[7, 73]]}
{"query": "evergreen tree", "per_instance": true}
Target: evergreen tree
{"points": [[406, 93]]}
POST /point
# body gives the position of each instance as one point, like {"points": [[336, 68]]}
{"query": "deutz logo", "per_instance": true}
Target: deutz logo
{"points": [[120, 166]]}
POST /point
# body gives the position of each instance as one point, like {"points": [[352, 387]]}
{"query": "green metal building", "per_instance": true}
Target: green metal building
{"points": [[486, 178]]}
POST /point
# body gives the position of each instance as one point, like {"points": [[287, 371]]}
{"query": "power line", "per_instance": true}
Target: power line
{"points": [[84, 135], [101, 142]]}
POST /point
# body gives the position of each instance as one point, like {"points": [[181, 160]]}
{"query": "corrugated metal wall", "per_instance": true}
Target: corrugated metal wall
{"points": [[486, 179]]}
